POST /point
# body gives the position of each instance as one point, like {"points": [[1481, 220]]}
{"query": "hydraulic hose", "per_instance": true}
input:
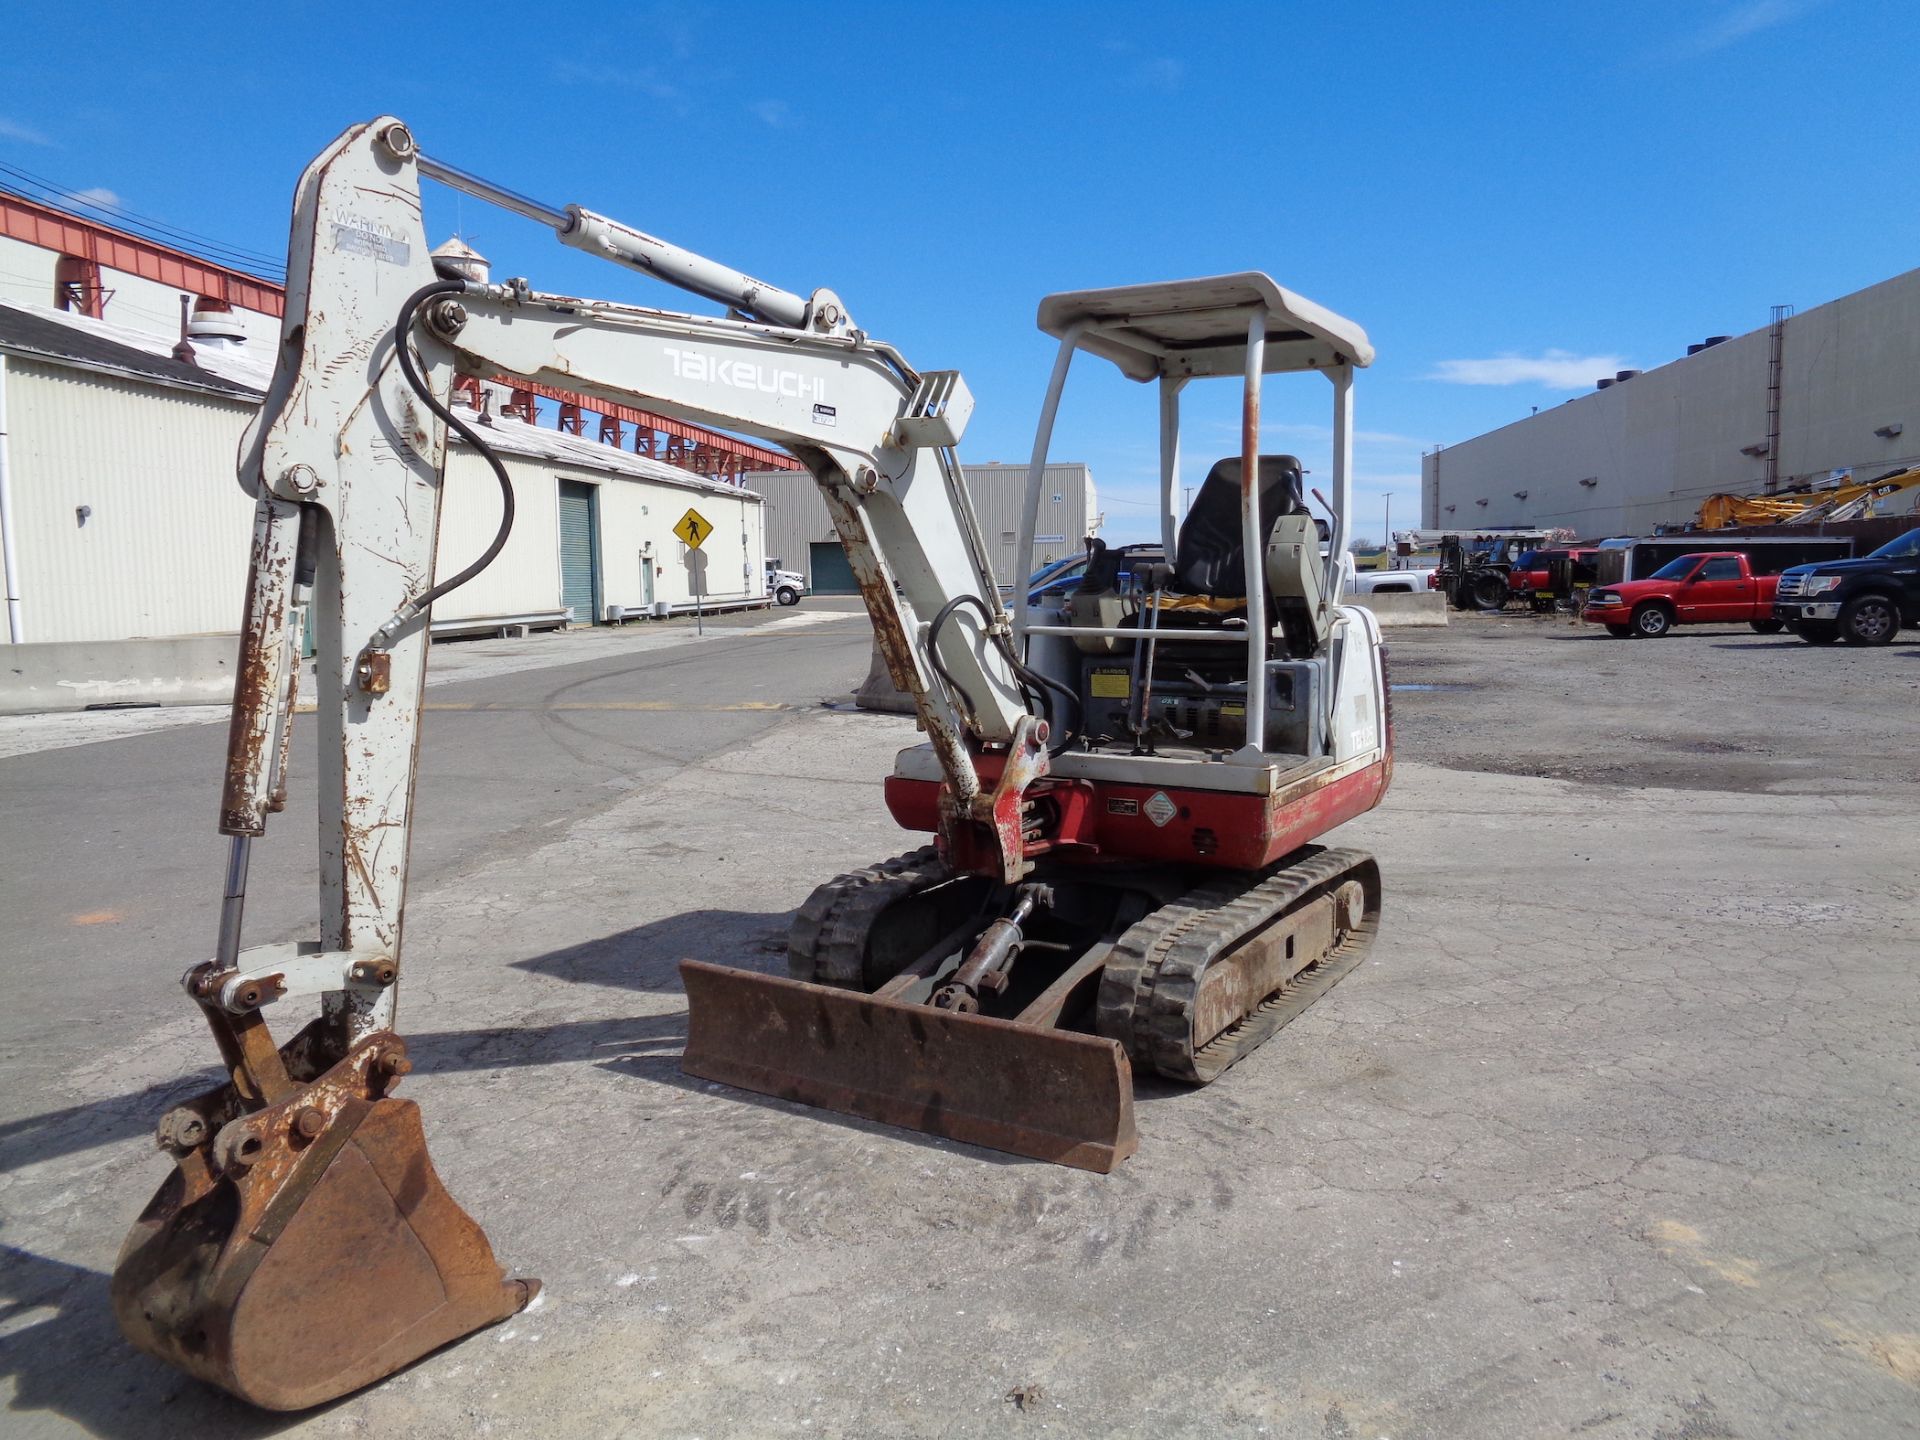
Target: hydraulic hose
{"points": [[1032, 683], [467, 433]]}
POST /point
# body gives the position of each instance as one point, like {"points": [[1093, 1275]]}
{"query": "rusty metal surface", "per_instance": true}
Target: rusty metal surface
{"points": [[1232, 985], [307, 1248], [260, 682], [1047, 1094]]}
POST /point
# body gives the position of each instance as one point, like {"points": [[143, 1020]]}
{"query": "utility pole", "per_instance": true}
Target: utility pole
{"points": [[1388, 525]]}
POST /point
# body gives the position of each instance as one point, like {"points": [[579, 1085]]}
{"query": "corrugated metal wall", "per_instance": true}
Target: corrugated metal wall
{"points": [[797, 516], [636, 525], [163, 549], [999, 497], [525, 579], [1653, 447]]}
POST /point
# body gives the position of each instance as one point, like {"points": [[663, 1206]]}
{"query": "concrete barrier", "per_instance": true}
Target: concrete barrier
{"points": [[878, 692], [80, 674], [1420, 607]]}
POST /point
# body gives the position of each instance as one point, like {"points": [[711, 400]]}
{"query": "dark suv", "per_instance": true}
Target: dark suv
{"points": [[1863, 601]]}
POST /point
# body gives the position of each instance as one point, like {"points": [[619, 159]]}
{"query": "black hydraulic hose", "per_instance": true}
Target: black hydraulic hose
{"points": [[1032, 683], [465, 431], [933, 647]]}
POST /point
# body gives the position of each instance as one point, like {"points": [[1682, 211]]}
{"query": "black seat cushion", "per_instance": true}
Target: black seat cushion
{"points": [[1208, 558]]}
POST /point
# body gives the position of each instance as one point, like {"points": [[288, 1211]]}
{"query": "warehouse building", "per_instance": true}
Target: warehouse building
{"points": [[800, 532], [133, 364], [123, 517], [1834, 390]]}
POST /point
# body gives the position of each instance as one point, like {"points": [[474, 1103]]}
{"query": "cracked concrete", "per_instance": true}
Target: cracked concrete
{"points": [[1613, 1135]]}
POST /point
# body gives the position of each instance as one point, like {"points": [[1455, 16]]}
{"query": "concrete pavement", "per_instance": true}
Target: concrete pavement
{"points": [[1613, 1135]]}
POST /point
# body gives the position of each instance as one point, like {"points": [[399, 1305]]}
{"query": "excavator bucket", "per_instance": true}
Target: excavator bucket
{"points": [[1026, 1089], [308, 1249]]}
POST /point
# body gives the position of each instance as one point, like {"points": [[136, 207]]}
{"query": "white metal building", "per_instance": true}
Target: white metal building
{"points": [[1834, 388], [126, 519], [801, 534]]}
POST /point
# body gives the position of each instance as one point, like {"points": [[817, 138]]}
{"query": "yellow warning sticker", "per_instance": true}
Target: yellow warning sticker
{"points": [[1111, 685]]}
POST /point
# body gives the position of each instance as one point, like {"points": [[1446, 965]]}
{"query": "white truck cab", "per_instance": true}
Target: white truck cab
{"points": [[784, 585]]}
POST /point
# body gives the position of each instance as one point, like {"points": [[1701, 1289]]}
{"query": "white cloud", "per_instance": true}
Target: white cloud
{"points": [[97, 195], [1162, 73], [1552, 369], [572, 72], [1735, 23], [25, 134], [775, 113]]}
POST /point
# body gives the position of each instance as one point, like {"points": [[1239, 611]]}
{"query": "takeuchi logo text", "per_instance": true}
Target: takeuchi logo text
{"points": [[746, 375]]}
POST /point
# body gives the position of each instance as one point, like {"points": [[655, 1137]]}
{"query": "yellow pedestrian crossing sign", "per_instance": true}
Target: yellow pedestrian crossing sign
{"points": [[693, 527]]}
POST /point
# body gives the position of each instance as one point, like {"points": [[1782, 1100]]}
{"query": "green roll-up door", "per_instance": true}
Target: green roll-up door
{"points": [[827, 570], [579, 552]]}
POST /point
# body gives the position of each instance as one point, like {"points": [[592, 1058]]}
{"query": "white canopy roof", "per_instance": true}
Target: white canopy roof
{"points": [[1199, 327]]}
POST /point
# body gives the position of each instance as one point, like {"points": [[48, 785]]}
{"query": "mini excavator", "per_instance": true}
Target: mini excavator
{"points": [[1122, 784]]}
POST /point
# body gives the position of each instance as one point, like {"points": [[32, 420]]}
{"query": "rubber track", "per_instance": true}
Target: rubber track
{"points": [[827, 942], [1148, 989]]}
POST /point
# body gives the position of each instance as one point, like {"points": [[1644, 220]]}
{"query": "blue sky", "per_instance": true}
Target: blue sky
{"points": [[1513, 198]]}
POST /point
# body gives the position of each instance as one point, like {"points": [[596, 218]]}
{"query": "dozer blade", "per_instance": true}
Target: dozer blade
{"points": [[1049, 1094], [309, 1249]]}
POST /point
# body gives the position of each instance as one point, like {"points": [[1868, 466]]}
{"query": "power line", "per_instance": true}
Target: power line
{"points": [[35, 187]]}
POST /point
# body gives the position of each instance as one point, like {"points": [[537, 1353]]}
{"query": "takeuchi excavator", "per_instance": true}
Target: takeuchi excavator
{"points": [[1121, 784]]}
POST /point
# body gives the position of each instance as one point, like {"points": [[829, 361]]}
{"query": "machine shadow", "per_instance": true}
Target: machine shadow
{"points": [[75, 1364], [645, 958], [648, 956]]}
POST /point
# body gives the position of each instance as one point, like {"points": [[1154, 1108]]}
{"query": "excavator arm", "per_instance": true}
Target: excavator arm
{"points": [[302, 1246]]}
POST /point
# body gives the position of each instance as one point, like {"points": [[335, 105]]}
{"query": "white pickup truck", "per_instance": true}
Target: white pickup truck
{"points": [[1389, 582]]}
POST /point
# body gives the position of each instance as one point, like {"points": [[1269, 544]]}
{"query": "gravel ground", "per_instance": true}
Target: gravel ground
{"points": [[1709, 707]]}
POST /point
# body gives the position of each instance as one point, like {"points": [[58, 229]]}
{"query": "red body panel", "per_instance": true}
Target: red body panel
{"points": [[1694, 601], [1525, 582], [1101, 821]]}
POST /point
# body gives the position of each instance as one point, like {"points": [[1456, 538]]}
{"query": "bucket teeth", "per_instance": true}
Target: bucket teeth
{"points": [[309, 1249]]}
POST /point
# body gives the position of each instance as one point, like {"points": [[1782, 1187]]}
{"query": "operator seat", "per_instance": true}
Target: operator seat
{"points": [[1208, 556]]}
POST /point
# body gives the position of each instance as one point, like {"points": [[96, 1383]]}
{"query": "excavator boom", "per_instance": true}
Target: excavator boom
{"points": [[303, 1246]]}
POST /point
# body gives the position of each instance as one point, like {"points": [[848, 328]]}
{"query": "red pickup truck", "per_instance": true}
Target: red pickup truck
{"points": [[1713, 587]]}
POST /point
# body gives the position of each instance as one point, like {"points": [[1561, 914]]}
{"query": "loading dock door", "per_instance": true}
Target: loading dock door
{"points": [[827, 569], [579, 552]]}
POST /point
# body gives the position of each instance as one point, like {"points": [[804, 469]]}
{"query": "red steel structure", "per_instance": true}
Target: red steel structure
{"points": [[88, 248]]}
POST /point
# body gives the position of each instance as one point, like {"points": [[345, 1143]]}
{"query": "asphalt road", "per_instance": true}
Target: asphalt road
{"points": [[112, 882]]}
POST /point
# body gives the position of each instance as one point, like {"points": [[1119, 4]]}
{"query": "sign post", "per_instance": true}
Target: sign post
{"points": [[694, 528]]}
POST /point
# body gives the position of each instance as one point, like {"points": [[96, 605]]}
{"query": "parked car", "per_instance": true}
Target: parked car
{"points": [[1064, 575], [1708, 587], [784, 585], [1864, 601]]}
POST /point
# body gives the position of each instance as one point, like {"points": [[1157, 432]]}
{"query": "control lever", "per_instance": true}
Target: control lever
{"points": [[1158, 577]]}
